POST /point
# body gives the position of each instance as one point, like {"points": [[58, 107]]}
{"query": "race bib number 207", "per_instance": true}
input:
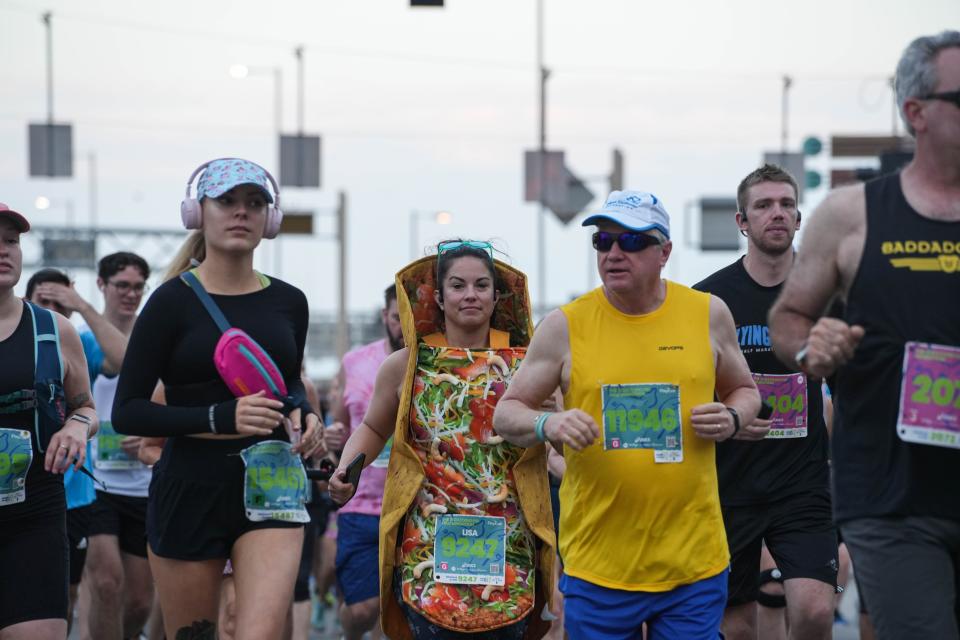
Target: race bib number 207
{"points": [[930, 395]]}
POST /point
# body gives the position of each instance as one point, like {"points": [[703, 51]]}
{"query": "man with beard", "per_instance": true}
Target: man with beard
{"points": [[358, 522], [773, 474]]}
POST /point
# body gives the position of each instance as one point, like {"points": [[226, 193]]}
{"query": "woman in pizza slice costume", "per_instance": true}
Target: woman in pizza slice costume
{"points": [[466, 535]]}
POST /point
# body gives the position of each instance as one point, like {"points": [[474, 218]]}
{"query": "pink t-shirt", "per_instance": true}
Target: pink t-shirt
{"points": [[360, 371]]}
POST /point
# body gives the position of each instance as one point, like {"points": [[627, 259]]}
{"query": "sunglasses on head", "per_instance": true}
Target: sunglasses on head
{"points": [[946, 96], [629, 241], [453, 245]]}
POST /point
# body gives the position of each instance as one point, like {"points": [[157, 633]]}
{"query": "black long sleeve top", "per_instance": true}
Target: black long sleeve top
{"points": [[173, 341]]}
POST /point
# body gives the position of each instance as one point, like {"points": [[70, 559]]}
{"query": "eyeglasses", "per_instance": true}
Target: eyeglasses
{"points": [[125, 287], [630, 241], [453, 245], [946, 96]]}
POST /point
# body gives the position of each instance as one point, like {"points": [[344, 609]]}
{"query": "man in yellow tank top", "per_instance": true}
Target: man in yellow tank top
{"points": [[640, 362]]}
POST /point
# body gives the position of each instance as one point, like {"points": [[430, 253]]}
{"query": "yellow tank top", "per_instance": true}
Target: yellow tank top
{"points": [[628, 521]]}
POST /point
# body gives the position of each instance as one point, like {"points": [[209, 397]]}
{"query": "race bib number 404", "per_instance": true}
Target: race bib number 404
{"points": [[643, 416], [470, 549], [930, 395], [787, 396]]}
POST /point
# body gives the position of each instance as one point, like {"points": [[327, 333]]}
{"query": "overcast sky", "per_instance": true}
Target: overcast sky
{"points": [[425, 110]]}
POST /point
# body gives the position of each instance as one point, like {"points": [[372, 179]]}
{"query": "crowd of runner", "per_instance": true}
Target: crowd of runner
{"points": [[654, 460]]}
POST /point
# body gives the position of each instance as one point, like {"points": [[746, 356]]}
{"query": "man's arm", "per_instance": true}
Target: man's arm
{"points": [[112, 341], [824, 268], [734, 384], [545, 368]]}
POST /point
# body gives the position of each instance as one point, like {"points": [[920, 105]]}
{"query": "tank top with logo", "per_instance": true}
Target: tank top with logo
{"points": [[640, 507], [906, 295]]}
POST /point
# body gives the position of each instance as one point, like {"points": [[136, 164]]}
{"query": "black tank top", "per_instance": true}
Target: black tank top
{"points": [[44, 491], [753, 473], [907, 288]]}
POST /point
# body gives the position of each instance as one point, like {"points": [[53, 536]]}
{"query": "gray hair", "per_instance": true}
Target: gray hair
{"points": [[916, 71]]}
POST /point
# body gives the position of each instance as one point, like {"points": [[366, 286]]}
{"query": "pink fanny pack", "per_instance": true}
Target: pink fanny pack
{"points": [[241, 362]]}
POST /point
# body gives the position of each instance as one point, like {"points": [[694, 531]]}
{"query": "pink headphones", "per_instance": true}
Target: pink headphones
{"points": [[192, 215]]}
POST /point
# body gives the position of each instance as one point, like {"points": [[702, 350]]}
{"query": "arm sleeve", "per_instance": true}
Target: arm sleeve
{"points": [[151, 344]]}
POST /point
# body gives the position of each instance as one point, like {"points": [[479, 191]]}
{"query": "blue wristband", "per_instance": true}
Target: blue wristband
{"points": [[539, 425]]}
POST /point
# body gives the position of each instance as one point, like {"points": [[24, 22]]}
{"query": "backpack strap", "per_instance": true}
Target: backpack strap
{"points": [[192, 281], [48, 362]]}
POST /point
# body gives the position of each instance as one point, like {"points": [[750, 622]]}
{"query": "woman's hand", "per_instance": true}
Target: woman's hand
{"points": [[340, 490], [258, 415], [66, 445], [336, 435], [312, 442]]}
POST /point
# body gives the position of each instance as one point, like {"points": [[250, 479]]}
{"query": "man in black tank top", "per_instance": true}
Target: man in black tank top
{"points": [[891, 249], [773, 475]]}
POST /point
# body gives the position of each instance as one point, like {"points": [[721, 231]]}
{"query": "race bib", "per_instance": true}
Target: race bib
{"points": [[16, 454], [276, 483], [383, 460], [110, 453], [643, 416], [470, 550], [787, 396], [930, 395]]}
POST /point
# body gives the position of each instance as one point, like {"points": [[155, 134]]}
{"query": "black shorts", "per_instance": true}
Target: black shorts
{"points": [[78, 527], [195, 510], [121, 516], [34, 558], [799, 533]]}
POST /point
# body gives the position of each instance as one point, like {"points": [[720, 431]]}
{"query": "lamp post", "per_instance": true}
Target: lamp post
{"points": [[439, 217], [42, 203], [241, 72]]}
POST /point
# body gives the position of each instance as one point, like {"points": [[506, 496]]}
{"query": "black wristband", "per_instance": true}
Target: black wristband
{"points": [[225, 416], [736, 420]]}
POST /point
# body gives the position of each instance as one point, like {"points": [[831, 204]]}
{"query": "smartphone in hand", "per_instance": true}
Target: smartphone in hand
{"points": [[765, 411], [354, 469]]}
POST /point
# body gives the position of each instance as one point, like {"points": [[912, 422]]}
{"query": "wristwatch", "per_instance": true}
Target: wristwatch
{"points": [[736, 420]]}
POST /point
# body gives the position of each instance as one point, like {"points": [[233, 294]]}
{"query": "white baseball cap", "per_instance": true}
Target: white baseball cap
{"points": [[635, 210]]}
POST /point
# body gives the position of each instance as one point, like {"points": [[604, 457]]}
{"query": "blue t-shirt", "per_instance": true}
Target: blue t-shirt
{"points": [[79, 486]]}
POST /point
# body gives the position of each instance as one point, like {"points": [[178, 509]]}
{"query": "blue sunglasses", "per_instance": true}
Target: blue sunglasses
{"points": [[629, 241]]}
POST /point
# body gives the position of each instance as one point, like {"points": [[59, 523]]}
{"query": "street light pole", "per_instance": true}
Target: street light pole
{"points": [[46, 17], [343, 336], [542, 74], [440, 217], [298, 52], [787, 81]]}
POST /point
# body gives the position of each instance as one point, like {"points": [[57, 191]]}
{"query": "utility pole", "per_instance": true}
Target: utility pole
{"points": [[46, 17], [895, 113], [343, 336], [92, 159], [787, 81], [542, 74], [298, 52]]}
